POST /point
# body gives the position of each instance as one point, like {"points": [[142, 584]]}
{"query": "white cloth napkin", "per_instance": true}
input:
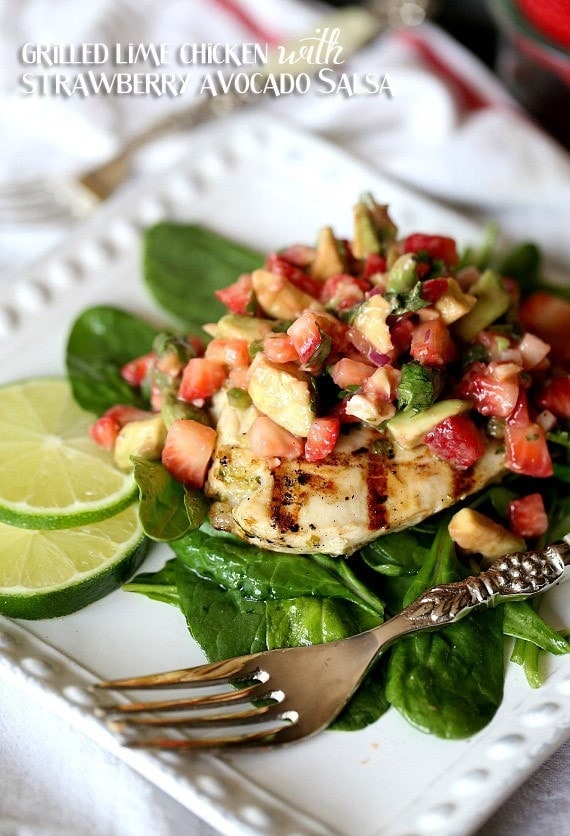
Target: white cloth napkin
{"points": [[449, 130]]}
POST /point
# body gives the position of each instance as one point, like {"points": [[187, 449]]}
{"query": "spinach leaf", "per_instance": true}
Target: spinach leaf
{"points": [[523, 622], [369, 702], [101, 341], [184, 263], [395, 554], [160, 586], [263, 576], [238, 599], [449, 683], [165, 503]]}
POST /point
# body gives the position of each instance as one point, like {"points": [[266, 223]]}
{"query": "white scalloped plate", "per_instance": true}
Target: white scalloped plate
{"points": [[259, 182]]}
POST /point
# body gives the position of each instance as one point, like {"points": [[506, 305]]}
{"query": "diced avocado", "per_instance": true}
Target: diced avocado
{"points": [[172, 408], [284, 394], [409, 428], [386, 229], [237, 326], [402, 275], [330, 257], [371, 322], [280, 298], [365, 240], [492, 302], [454, 303], [144, 439]]}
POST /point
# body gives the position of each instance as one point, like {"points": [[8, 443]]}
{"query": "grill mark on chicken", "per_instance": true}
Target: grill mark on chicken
{"points": [[463, 481], [377, 485], [291, 488]]}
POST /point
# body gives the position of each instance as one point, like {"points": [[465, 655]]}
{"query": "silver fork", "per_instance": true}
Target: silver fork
{"points": [[38, 200], [296, 692]]}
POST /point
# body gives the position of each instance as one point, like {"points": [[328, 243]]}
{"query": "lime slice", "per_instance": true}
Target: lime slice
{"points": [[47, 574], [52, 475]]}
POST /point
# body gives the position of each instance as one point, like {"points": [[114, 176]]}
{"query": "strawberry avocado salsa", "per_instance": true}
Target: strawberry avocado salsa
{"points": [[385, 397]]}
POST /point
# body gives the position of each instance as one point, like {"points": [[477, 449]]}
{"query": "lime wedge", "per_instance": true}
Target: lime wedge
{"points": [[47, 574], [52, 475]]}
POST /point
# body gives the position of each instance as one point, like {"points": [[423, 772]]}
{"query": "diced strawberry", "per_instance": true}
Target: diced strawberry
{"points": [[278, 348], [436, 246], [382, 385], [136, 371], [401, 330], [349, 372], [548, 317], [237, 297], [527, 516], [311, 342], [432, 344], [526, 451], [556, 397], [374, 263], [268, 440], [187, 451], [201, 378], [322, 438], [457, 440], [342, 291], [433, 289], [299, 254], [491, 396], [519, 417], [106, 429], [278, 265], [551, 17], [233, 353]]}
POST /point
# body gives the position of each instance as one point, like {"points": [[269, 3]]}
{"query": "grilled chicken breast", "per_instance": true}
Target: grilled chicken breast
{"points": [[367, 487]]}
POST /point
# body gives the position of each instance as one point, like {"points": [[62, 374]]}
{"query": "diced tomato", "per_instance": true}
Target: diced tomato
{"points": [[526, 451], [432, 344], [527, 516], [341, 291], [322, 438], [373, 264], [278, 265], [106, 429], [237, 297], [436, 246], [491, 396], [233, 353], [457, 440], [136, 371], [268, 440], [278, 348], [201, 378], [548, 317], [556, 396], [187, 451], [433, 289], [349, 372]]}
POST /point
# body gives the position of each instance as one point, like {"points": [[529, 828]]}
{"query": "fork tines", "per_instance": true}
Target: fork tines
{"points": [[209, 711]]}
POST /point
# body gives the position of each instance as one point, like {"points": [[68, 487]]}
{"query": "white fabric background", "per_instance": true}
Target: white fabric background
{"points": [[489, 160]]}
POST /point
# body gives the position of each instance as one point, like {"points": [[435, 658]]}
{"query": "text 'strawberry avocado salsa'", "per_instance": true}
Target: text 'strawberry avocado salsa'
{"points": [[354, 388]]}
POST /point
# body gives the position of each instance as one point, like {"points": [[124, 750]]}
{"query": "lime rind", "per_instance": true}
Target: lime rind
{"points": [[67, 578], [53, 475]]}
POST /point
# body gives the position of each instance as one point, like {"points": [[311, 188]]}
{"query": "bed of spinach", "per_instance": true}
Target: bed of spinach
{"points": [[237, 598]]}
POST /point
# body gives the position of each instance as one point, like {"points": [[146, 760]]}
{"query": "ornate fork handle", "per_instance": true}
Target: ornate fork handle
{"points": [[516, 575]]}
